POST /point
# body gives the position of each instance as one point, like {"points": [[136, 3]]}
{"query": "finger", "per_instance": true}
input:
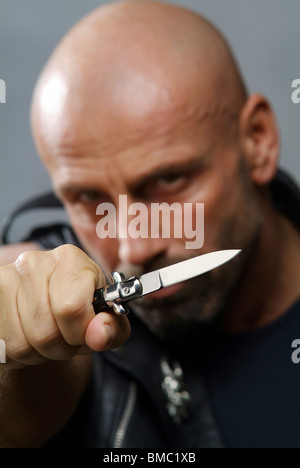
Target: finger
{"points": [[19, 352], [37, 320], [71, 291], [107, 331]]}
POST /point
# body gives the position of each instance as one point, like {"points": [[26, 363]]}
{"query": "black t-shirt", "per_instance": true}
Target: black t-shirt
{"points": [[254, 385]]}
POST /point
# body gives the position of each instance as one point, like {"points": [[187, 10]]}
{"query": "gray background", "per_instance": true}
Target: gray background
{"points": [[264, 34]]}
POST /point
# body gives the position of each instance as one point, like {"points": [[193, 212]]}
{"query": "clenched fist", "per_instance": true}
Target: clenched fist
{"points": [[46, 308]]}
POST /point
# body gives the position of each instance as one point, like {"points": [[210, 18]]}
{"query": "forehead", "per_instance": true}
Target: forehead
{"points": [[109, 153], [126, 131]]}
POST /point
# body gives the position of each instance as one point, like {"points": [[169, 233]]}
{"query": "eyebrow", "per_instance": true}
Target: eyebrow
{"points": [[173, 168], [71, 188]]}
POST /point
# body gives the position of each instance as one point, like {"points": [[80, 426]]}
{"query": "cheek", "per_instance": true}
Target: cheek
{"points": [[232, 214], [103, 251], [214, 193], [228, 203]]}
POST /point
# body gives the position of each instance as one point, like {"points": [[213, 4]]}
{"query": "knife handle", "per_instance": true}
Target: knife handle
{"points": [[115, 295], [99, 302], [100, 305]]}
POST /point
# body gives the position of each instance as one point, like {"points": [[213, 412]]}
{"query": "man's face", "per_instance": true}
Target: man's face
{"points": [[176, 153]]}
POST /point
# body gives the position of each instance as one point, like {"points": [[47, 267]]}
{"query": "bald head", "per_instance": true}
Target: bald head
{"points": [[136, 59], [144, 99]]}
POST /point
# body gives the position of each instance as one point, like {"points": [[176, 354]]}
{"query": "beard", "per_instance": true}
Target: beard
{"points": [[202, 300], [199, 302]]}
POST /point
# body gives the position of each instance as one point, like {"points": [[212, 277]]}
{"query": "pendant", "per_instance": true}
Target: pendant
{"points": [[175, 390]]}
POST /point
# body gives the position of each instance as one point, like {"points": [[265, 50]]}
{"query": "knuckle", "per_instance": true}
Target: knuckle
{"points": [[46, 340], [68, 310], [27, 262], [85, 280], [75, 257], [66, 252], [19, 352]]}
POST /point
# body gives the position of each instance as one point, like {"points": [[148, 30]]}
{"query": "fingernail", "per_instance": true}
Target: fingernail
{"points": [[109, 335]]}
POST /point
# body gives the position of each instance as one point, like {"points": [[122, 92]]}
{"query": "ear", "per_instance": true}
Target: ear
{"points": [[259, 139]]}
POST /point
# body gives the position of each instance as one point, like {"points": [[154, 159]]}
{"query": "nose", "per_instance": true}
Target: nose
{"points": [[141, 251]]}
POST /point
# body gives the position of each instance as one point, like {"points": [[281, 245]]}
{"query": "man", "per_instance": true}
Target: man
{"points": [[144, 99]]}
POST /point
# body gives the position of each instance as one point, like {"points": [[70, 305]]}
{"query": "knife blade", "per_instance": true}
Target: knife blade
{"points": [[123, 290]]}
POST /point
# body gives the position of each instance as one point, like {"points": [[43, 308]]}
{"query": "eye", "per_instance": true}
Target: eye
{"points": [[88, 197], [170, 180], [166, 185]]}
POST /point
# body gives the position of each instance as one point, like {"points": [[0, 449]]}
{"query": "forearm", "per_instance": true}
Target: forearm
{"points": [[36, 402]]}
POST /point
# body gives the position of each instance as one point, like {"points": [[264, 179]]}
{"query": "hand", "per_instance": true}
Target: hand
{"points": [[46, 310]]}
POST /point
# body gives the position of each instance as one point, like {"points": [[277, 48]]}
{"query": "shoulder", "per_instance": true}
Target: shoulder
{"points": [[43, 236]]}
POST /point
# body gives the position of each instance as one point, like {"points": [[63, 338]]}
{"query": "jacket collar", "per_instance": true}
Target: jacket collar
{"points": [[286, 196]]}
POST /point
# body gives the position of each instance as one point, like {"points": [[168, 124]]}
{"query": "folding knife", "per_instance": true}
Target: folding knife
{"points": [[123, 290]]}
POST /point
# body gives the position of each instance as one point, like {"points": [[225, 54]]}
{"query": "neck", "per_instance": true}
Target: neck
{"points": [[271, 284]]}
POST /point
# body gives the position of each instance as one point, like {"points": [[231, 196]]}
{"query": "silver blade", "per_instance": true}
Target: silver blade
{"points": [[185, 270]]}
